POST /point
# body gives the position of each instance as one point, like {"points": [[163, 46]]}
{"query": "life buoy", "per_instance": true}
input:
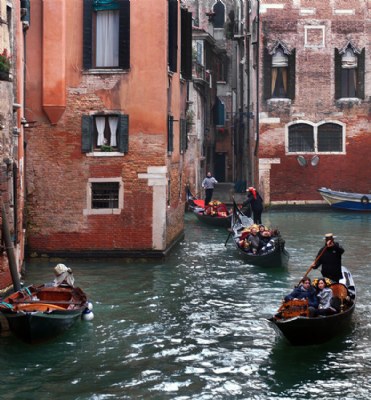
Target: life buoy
{"points": [[365, 200]]}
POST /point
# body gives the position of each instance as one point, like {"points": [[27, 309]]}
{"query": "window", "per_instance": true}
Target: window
{"points": [[173, 35], [330, 137], [105, 133], [186, 44], [349, 72], [219, 14], [326, 137], [219, 113], [279, 72], [106, 42], [104, 196]]}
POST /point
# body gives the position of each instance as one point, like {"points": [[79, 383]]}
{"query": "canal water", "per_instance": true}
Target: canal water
{"points": [[195, 326]]}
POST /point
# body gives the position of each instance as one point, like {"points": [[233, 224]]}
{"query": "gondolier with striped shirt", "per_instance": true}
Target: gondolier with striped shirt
{"points": [[208, 184]]}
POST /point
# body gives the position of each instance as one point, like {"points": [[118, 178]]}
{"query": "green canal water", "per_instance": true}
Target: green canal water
{"points": [[194, 326]]}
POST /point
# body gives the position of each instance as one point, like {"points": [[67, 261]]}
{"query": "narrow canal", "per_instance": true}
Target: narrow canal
{"points": [[194, 326]]}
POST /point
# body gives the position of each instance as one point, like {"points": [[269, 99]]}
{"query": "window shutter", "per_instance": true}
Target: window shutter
{"points": [[173, 35], [87, 134], [123, 136], [124, 47], [361, 75], [183, 135], [291, 71], [170, 133], [267, 60], [88, 34], [186, 44], [337, 66]]}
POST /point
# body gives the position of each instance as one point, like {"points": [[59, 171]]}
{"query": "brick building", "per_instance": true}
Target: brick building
{"points": [[14, 22], [315, 88], [106, 100]]}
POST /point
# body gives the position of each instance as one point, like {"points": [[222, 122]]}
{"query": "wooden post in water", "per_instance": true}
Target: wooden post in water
{"points": [[10, 252]]}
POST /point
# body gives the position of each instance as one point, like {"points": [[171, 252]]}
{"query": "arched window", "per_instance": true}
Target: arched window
{"points": [[279, 73], [219, 14], [330, 137], [301, 138]]}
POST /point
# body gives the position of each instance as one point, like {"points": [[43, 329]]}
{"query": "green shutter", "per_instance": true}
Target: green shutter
{"points": [[337, 66], [361, 75], [173, 35], [123, 136], [291, 75], [88, 34], [124, 47], [170, 133], [87, 134], [183, 135]]}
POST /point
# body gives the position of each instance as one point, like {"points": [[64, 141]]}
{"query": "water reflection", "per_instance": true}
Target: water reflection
{"points": [[195, 327]]}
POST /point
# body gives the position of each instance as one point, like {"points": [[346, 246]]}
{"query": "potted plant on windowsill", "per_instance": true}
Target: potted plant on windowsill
{"points": [[106, 148], [4, 65]]}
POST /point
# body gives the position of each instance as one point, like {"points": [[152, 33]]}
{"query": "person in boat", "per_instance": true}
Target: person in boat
{"points": [[208, 184], [267, 241], [254, 239], [325, 299], [255, 201], [305, 291], [329, 257], [63, 276]]}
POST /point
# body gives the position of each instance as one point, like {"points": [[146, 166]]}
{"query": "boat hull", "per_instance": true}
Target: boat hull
{"points": [[224, 222], [39, 326], [346, 201], [279, 258]]}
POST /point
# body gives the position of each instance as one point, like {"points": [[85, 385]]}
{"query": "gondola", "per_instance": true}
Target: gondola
{"points": [[346, 201], [294, 323], [215, 220], [39, 313], [192, 202], [274, 255]]}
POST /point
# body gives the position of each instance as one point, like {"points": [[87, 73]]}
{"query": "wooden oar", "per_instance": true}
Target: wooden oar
{"points": [[313, 264]]}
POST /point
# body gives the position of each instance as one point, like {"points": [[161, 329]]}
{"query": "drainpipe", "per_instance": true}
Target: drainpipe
{"points": [[257, 78]]}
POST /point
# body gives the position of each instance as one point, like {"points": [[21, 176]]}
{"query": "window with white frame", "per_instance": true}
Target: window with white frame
{"points": [[328, 137], [104, 196]]}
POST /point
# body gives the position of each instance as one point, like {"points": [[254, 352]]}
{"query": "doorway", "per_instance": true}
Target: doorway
{"points": [[219, 163]]}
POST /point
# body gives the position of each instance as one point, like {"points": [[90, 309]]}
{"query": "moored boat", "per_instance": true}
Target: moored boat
{"points": [[38, 313], [346, 200], [294, 323], [273, 254]]}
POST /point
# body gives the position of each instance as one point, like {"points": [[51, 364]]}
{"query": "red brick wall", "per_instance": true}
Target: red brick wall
{"points": [[315, 101]]}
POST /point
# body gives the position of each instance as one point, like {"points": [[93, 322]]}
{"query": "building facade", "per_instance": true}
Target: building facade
{"points": [[106, 102], [315, 89], [14, 22]]}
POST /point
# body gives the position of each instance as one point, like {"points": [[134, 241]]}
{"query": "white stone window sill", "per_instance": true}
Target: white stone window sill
{"points": [[105, 154]]}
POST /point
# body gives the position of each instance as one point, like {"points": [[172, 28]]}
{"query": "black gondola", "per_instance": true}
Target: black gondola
{"points": [[275, 255], [215, 220], [301, 329]]}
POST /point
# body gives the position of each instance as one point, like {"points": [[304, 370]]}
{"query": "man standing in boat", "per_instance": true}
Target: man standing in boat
{"points": [[208, 184], [329, 256]]}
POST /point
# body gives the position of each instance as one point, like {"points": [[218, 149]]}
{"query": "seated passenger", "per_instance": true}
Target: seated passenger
{"points": [[254, 239], [305, 291], [222, 210], [324, 295]]}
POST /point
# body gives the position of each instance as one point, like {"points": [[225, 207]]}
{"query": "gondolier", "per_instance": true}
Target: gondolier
{"points": [[208, 184], [329, 257]]}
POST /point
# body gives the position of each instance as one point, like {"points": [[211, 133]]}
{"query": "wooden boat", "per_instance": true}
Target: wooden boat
{"points": [[295, 324], [274, 255], [346, 200], [38, 313], [215, 220]]}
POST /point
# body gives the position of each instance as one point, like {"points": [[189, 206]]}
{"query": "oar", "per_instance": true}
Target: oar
{"points": [[311, 267]]}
